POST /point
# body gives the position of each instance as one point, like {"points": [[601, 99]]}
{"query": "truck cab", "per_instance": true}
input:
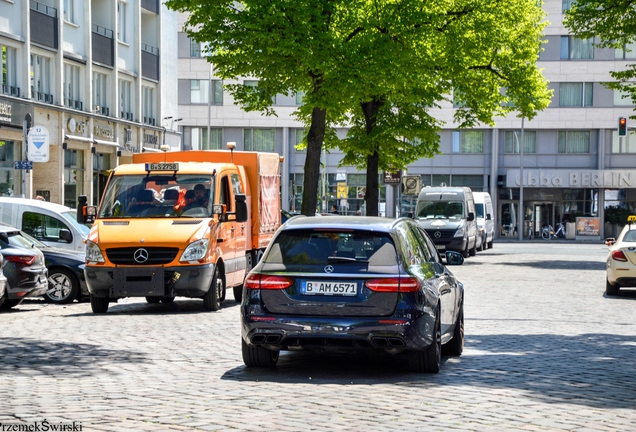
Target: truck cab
{"points": [[181, 224]]}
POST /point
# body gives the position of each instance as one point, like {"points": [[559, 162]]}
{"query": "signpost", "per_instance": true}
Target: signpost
{"points": [[23, 165]]}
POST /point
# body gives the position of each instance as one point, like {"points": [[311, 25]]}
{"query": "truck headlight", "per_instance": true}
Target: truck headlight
{"points": [[93, 253], [195, 250], [460, 231]]}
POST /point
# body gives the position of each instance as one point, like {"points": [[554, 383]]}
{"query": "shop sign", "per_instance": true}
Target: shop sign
{"points": [[102, 131], [588, 226], [393, 178], [76, 127], [342, 190], [572, 178], [38, 144], [150, 139], [5, 112]]}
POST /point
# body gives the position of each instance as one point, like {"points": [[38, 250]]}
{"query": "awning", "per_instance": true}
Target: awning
{"points": [[151, 150], [108, 143], [78, 138]]}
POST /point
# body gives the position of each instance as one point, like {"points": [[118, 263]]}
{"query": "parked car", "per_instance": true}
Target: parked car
{"points": [[484, 215], [24, 268], [353, 282], [621, 260], [65, 268], [3, 281]]}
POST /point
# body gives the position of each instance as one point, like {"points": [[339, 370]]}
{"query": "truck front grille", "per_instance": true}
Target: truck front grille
{"points": [[156, 255]]}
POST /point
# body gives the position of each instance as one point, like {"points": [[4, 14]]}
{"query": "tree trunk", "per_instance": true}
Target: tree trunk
{"points": [[315, 138], [371, 197]]}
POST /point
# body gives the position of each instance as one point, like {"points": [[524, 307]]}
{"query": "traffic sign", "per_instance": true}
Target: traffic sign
{"points": [[23, 165], [393, 178], [39, 144]]}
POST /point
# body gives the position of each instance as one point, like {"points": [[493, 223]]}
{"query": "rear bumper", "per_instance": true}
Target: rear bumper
{"points": [[117, 282], [284, 332], [35, 286]]}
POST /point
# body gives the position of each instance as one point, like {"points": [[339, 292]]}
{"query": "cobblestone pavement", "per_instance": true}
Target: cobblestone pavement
{"points": [[545, 350]]}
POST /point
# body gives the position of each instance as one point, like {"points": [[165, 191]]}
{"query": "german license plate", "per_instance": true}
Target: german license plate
{"points": [[329, 288], [162, 167]]}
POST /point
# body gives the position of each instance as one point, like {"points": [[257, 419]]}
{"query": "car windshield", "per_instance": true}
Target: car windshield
{"points": [[71, 216], [17, 239], [479, 209], [158, 196], [439, 210], [319, 247]]}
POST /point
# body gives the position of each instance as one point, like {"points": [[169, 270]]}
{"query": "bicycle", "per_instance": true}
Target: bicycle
{"points": [[547, 232], [560, 232]]}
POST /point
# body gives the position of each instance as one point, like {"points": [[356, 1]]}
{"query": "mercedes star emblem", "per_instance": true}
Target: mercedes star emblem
{"points": [[141, 255], [437, 234], [329, 269]]}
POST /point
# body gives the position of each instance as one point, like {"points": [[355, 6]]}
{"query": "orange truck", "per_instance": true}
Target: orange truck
{"points": [[187, 223]]}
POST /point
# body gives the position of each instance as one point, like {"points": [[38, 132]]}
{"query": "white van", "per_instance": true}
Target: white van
{"points": [[53, 224], [485, 221]]}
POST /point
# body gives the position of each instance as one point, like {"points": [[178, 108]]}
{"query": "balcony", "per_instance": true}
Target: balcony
{"points": [[103, 45], [149, 62], [43, 20], [101, 110], [11, 90], [126, 115], [41, 96], [149, 121], [150, 5], [73, 104]]}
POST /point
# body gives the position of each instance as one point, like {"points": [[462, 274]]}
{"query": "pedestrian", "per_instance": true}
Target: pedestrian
{"points": [[334, 209]]}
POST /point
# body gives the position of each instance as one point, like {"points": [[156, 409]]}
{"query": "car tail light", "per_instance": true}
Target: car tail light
{"points": [[21, 259], [618, 255], [259, 281], [406, 284]]}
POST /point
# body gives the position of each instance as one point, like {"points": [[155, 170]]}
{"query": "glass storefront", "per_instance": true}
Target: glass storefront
{"points": [[7, 158], [73, 176]]}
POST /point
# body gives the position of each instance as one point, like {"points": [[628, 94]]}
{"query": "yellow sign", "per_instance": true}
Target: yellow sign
{"points": [[342, 190], [631, 218]]}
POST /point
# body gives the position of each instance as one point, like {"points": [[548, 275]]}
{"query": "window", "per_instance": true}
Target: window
{"points": [[573, 48], [259, 140], [100, 93], [43, 227], [299, 98], [122, 21], [575, 94], [73, 176], [628, 52], [254, 83], [469, 141], [125, 99], [40, 78], [198, 49], [513, 138], [476, 182], [574, 141], [148, 104], [199, 91], [626, 144], [566, 5], [72, 86], [69, 11], [200, 139], [9, 75], [622, 98]]}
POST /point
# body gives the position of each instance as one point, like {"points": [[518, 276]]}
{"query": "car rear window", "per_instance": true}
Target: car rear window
{"points": [[630, 236], [325, 247]]}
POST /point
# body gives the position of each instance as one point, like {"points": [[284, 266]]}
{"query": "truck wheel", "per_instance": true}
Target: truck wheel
{"points": [[63, 287], [473, 251], [99, 304], [212, 298], [465, 252], [8, 304], [153, 299], [166, 299], [238, 293]]}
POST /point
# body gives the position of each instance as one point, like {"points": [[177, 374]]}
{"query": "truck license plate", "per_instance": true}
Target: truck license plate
{"points": [[329, 288], [162, 167]]}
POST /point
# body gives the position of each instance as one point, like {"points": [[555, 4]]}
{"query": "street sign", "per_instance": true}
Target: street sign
{"points": [[39, 144], [23, 165], [342, 190], [392, 178]]}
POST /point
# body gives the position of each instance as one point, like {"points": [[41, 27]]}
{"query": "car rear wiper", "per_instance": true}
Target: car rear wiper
{"points": [[346, 259]]}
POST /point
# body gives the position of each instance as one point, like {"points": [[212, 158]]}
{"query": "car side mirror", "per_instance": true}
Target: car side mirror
{"points": [[241, 207], [4, 238], [488, 216], [410, 215], [471, 217], [66, 236], [454, 258]]}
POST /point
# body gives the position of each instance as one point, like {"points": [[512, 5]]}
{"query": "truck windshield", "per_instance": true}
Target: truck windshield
{"points": [[440, 210], [158, 196]]}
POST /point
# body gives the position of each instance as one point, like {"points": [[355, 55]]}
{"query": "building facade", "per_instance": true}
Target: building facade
{"points": [[572, 163], [97, 78]]}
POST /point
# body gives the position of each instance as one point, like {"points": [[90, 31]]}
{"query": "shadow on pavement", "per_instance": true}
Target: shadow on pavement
{"points": [[179, 306], [595, 370], [27, 357], [559, 264]]}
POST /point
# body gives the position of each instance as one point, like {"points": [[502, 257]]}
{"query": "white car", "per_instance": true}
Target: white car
{"points": [[621, 260]]}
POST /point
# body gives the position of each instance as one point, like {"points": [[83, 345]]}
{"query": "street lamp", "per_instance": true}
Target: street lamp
{"points": [[521, 210]]}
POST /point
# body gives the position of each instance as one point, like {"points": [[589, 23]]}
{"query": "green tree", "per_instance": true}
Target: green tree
{"points": [[614, 23], [471, 50]]}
